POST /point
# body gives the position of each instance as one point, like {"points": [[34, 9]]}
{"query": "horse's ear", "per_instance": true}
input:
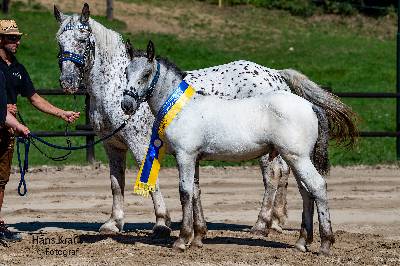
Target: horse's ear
{"points": [[85, 14], [150, 51], [58, 15], [129, 48]]}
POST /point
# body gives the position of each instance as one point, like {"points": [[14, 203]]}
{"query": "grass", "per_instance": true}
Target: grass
{"points": [[334, 54]]}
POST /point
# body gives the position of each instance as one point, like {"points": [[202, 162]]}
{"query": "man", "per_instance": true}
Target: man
{"points": [[17, 81]]}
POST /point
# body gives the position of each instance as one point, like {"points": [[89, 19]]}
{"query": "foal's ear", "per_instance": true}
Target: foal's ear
{"points": [[129, 48], [85, 14], [150, 51], [58, 15]]}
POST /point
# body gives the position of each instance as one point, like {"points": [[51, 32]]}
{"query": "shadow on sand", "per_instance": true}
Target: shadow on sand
{"points": [[144, 234]]}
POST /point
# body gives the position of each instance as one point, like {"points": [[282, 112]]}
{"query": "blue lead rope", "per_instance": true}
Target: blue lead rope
{"points": [[23, 168], [27, 142]]}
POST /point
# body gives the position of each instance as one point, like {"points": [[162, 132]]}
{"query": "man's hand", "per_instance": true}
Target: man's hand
{"points": [[69, 116], [22, 130], [12, 108]]}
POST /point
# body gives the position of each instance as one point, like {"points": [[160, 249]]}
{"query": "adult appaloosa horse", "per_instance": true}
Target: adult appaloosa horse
{"points": [[94, 56], [194, 127]]}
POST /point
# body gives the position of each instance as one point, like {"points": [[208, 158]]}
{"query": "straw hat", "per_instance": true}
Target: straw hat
{"points": [[9, 27]]}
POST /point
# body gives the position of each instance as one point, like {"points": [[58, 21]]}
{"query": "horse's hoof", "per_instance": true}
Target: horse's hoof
{"points": [[109, 229], [301, 245], [324, 250], [161, 231], [179, 246], [259, 231], [276, 227], [197, 243]]}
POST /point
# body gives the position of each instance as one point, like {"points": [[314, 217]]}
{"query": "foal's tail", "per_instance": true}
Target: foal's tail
{"points": [[341, 119], [320, 156]]}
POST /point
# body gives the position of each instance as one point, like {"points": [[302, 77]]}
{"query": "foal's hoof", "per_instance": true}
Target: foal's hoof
{"points": [[161, 231], [179, 246], [301, 245]]}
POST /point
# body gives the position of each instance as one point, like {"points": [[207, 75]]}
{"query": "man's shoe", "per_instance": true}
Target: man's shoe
{"points": [[7, 235]]}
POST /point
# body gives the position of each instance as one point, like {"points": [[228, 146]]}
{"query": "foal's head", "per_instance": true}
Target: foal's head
{"points": [[76, 46], [142, 74]]}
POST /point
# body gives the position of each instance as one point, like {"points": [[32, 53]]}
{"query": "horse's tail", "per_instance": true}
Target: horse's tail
{"points": [[341, 119], [320, 156]]}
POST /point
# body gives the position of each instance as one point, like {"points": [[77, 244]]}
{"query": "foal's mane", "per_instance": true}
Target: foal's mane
{"points": [[163, 61]]}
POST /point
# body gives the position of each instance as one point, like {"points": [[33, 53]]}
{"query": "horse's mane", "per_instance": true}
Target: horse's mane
{"points": [[108, 41], [164, 61]]}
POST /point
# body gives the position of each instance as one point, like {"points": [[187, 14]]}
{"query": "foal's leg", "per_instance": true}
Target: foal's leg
{"points": [[186, 165], [315, 186], [117, 159], [271, 176], [199, 223]]}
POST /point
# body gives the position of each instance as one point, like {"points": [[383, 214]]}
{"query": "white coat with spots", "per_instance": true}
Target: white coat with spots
{"points": [[103, 75], [212, 128]]}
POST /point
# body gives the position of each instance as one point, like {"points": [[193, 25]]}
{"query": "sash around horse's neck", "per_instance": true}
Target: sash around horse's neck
{"points": [[162, 87]]}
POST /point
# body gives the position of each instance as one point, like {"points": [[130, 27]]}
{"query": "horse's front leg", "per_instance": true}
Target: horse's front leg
{"points": [[163, 221], [117, 160], [199, 223], [274, 172], [186, 165]]}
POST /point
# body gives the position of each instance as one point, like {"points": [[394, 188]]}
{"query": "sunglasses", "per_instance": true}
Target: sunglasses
{"points": [[12, 38]]}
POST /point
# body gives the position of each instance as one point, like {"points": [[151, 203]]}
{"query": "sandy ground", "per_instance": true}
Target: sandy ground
{"points": [[70, 205]]}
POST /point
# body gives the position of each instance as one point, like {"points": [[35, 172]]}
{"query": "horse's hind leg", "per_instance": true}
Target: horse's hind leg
{"points": [[306, 231], [279, 213], [315, 186], [272, 171], [199, 223], [117, 159]]}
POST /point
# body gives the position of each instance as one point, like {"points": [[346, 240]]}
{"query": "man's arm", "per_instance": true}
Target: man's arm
{"points": [[46, 107], [13, 123]]}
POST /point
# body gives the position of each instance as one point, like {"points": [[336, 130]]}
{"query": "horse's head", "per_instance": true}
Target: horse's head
{"points": [[142, 74], [76, 44]]}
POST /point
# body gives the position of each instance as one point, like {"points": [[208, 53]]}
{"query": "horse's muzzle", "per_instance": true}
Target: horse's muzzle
{"points": [[128, 105], [69, 84]]}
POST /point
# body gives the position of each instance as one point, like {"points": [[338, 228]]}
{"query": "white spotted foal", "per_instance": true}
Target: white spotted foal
{"points": [[211, 128]]}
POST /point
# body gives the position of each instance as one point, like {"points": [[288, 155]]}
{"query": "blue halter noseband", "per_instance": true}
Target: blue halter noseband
{"points": [[149, 91], [73, 57]]}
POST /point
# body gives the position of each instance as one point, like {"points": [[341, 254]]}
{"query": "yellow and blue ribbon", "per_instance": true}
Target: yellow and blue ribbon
{"points": [[147, 177]]}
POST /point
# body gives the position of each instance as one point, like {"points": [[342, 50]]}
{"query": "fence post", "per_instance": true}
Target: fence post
{"points": [[90, 157], [398, 84], [110, 10], [4, 6]]}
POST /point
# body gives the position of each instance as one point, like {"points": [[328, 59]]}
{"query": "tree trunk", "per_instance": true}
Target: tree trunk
{"points": [[4, 6], [110, 10]]}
